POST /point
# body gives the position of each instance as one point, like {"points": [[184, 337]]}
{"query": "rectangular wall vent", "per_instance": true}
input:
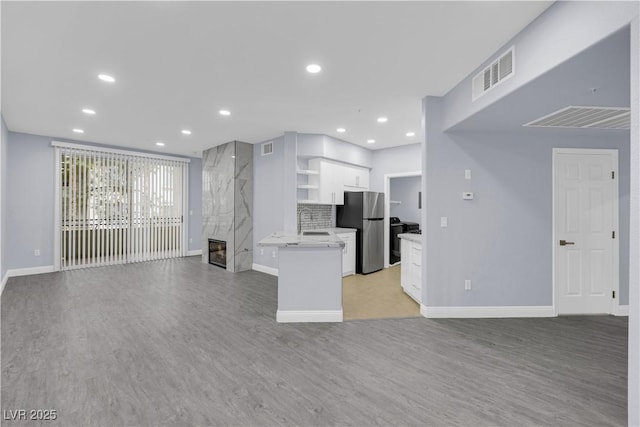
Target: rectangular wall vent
{"points": [[499, 70], [585, 118], [267, 148]]}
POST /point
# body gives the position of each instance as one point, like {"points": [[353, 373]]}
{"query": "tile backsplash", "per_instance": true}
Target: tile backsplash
{"points": [[322, 216]]}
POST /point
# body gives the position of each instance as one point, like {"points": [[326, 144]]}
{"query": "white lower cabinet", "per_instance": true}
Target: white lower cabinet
{"points": [[348, 253], [411, 269]]}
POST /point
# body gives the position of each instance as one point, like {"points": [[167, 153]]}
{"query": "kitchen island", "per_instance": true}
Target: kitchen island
{"points": [[309, 276]]}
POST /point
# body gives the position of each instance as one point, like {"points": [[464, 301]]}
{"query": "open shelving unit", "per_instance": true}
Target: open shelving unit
{"points": [[303, 193]]}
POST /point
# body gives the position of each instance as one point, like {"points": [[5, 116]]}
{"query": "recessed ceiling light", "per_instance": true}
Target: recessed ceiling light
{"points": [[341, 130], [106, 78], [382, 120], [411, 134], [88, 111], [371, 141], [225, 112], [160, 144], [76, 130], [314, 68], [186, 132]]}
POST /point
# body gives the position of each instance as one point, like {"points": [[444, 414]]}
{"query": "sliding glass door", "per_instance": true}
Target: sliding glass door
{"points": [[115, 208]]}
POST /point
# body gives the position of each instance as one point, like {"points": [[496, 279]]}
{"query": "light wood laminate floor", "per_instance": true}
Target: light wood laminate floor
{"points": [[377, 295], [177, 342]]}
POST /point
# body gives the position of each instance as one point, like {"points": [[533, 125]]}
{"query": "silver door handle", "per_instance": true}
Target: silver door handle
{"points": [[565, 243]]}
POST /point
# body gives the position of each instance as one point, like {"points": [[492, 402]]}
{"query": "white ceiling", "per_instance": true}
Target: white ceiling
{"points": [[178, 63]]}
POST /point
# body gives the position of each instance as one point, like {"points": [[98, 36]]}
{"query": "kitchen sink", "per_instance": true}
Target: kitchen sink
{"points": [[315, 233]]}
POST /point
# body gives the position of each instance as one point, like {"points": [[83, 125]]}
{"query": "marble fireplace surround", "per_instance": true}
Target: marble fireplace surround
{"points": [[227, 202]]}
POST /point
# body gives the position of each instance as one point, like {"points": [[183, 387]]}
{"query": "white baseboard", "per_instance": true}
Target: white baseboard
{"points": [[307, 316], [194, 252], [487, 312], [31, 270], [621, 310], [4, 282], [264, 269]]}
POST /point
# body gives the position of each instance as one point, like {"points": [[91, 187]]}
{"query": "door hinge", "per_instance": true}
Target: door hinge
{"points": [[613, 174], [613, 294], [613, 234]]}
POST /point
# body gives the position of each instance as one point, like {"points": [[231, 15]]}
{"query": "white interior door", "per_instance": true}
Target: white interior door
{"points": [[585, 228]]}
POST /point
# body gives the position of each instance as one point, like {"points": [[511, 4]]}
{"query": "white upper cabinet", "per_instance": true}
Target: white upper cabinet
{"points": [[333, 179], [330, 189], [356, 178]]}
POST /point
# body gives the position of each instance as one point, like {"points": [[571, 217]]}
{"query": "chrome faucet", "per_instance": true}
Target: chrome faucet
{"points": [[300, 216]]}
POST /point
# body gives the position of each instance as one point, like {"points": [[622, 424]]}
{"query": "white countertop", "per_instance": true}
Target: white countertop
{"points": [[415, 238], [284, 239]]}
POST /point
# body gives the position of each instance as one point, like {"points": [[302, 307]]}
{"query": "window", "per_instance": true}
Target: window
{"points": [[115, 207]]}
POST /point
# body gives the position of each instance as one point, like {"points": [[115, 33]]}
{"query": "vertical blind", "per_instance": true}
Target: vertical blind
{"points": [[117, 208]]}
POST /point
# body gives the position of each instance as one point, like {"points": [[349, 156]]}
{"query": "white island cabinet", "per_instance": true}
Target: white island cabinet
{"points": [[309, 276], [411, 265], [348, 252]]}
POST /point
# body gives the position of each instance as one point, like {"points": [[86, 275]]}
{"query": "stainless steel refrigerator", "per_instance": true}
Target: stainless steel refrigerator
{"points": [[364, 211]]}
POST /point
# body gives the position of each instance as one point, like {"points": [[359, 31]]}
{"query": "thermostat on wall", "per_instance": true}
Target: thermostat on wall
{"points": [[467, 195]]}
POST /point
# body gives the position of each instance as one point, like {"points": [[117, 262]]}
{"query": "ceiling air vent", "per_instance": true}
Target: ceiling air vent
{"points": [[494, 74], [267, 148], [585, 118]]}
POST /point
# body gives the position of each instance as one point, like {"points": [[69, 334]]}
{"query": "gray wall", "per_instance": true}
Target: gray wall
{"points": [[502, 239], [29, 216], [268, 199], [195, 203], [406, 158], [30, 171], [405, 190], [4, 142]]}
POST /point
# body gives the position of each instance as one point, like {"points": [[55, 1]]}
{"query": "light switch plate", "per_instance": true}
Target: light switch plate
{"points": [[467, 285], [467, 174], [444, 221]]}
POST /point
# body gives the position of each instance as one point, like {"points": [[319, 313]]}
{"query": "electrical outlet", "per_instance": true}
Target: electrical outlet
{"points": [[444, 221], [36, 252], [467, 285], [261, 251], [273, 253]]}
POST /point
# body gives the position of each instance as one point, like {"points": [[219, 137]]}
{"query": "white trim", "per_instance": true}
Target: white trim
{"points": [[387, 207], [621, 310], [30, 271], [4, 282], [264, 269], [616, 225], [117, 151], [487, 312], [308, 316], [194, 252]]}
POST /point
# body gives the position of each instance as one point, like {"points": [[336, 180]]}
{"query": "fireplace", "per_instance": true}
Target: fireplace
{"points": [[218, 253]]}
